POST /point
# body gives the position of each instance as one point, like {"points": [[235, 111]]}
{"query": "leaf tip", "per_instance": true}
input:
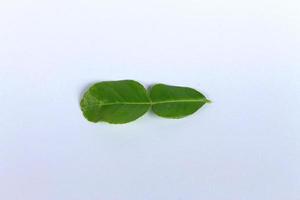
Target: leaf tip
{"points": [[208, 101]]}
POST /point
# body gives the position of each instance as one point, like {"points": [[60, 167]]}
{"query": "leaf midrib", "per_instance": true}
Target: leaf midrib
{"points": [[157, 102]]}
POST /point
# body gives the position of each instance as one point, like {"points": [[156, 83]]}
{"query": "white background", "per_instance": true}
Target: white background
{"points": [[244, 55]]}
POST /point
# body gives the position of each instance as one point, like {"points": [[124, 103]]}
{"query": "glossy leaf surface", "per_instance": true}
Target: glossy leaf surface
{"points": [[115, 102], [175, 102]]}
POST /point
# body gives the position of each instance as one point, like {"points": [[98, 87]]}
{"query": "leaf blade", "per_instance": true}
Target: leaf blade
{"points": [[175, 101], [115, 102]]}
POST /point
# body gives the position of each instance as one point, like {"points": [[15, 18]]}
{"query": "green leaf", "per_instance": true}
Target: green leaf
{"points": [[175, 102], [124, 101], [115, 102]]}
